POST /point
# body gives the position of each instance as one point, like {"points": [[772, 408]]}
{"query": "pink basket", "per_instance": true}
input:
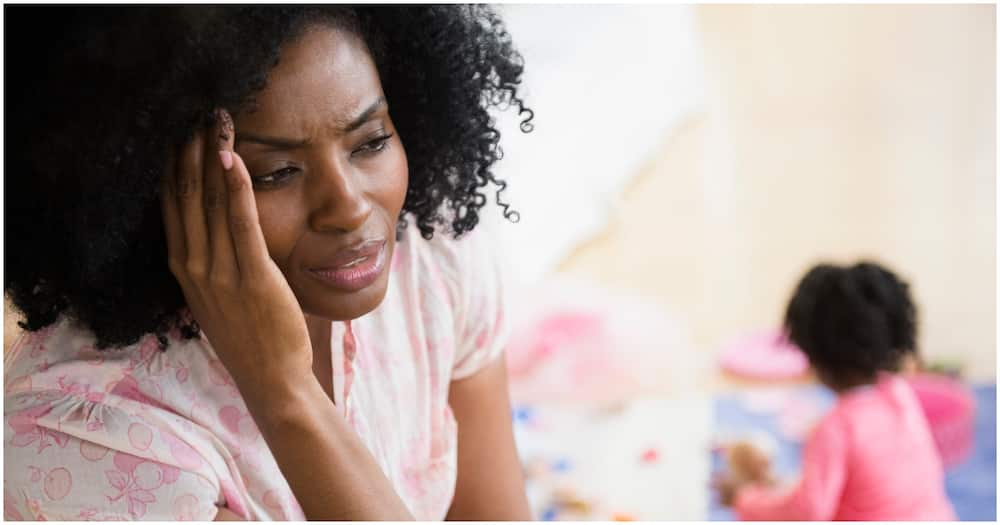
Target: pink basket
{"points": [[950, 410], [763, 354]]}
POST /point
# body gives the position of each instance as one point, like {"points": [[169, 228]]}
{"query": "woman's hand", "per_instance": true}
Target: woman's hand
{"points": [[245, 307], [217, 252]]}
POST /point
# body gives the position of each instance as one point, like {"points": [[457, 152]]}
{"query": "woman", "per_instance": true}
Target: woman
{"points": [[245, 299]]}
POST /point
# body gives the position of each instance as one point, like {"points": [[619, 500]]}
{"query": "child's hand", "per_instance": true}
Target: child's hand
{"points": [[728, 486], [748, 463]]}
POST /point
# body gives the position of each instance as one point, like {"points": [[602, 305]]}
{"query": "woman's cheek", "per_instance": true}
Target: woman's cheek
{"points": [[278, 224]]}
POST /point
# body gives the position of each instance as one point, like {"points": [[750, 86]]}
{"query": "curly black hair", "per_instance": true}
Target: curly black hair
{"points": [[852, 322], [99, 97]]}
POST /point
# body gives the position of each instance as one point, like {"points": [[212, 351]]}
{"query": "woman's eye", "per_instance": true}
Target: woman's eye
{"points": [[274, 178], [374, 146]]}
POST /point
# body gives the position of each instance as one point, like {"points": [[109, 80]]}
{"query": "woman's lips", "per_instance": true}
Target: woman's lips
{"points": [[355, 268]]}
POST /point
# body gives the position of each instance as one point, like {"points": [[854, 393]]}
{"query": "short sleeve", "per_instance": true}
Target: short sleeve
{"points": [[482, 328], [50, 474]]}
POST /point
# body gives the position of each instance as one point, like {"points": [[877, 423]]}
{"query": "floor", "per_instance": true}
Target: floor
{"points": [[617, 462]]}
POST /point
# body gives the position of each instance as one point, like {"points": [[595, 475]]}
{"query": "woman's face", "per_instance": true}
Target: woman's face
{"points": [[329, 173]]}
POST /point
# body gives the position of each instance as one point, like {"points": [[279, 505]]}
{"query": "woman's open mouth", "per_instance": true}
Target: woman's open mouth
{"points": [[354, 268]]}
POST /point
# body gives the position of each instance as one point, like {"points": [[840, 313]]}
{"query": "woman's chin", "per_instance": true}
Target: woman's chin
{"points": [[344, 306]]}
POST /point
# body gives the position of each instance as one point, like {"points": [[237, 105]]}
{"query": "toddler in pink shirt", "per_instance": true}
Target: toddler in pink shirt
{"points": [[872, 457]]}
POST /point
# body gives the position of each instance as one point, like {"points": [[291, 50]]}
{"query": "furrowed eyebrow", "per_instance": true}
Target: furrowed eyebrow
{"points": [[293, 143], [365, 115], [274, 142]]}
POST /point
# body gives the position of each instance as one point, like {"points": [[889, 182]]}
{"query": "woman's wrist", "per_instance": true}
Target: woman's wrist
{"points": [[330, 470], [282, 402]]}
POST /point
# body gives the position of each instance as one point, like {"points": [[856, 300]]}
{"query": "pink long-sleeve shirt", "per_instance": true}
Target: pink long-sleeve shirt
{"points": [[872, 458]]}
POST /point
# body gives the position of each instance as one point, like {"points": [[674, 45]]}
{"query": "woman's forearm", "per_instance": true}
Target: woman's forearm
{"points": [[332, 474]]}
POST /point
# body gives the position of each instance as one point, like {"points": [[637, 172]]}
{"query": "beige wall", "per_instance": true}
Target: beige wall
{"points": [[831, 132]]}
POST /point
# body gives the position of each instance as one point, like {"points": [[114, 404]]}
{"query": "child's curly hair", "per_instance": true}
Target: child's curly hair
{"points": [[852, 322], [99, 97]]}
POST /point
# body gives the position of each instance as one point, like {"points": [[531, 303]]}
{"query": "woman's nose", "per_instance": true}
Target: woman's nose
{"points": [[340, 204]]}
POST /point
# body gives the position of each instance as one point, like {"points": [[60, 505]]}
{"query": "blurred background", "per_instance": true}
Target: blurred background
{"points": [[688, 165]]}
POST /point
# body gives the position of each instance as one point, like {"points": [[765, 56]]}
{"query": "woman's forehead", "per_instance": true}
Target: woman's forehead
{"points": [[325, 76]]}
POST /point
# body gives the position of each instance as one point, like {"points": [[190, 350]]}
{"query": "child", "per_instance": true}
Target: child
{"points": [[872, 457]]}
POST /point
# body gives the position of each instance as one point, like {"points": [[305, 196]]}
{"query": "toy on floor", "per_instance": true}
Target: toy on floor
{"points": [[748, 461], [566, 503], [567, 499], [765, 354], [573, 341], [650, 455], [561, 465], [952, 368], [950, 409]]}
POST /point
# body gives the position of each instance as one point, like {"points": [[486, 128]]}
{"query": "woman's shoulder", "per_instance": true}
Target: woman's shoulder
{"points": [[66, 347], [66, 450], [33, 353], [444, 250], [110, 414], [62, 361], [457, 265], [455, 284]]}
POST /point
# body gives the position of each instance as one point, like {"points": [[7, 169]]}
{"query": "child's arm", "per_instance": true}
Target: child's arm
{"points": [[815, 497]]}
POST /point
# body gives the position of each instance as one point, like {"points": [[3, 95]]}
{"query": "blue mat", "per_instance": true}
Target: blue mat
{"points": [[971, 485]]}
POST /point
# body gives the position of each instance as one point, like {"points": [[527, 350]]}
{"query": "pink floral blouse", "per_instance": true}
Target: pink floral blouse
{"points": [[138, 433]]}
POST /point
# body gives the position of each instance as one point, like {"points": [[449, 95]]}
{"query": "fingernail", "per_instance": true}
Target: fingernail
{"points": [[227, 159]]}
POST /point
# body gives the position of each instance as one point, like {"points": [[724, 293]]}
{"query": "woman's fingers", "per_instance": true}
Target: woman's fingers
{"points": [[189, 183], [248, 239], [223, 268], [210, 214]]}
